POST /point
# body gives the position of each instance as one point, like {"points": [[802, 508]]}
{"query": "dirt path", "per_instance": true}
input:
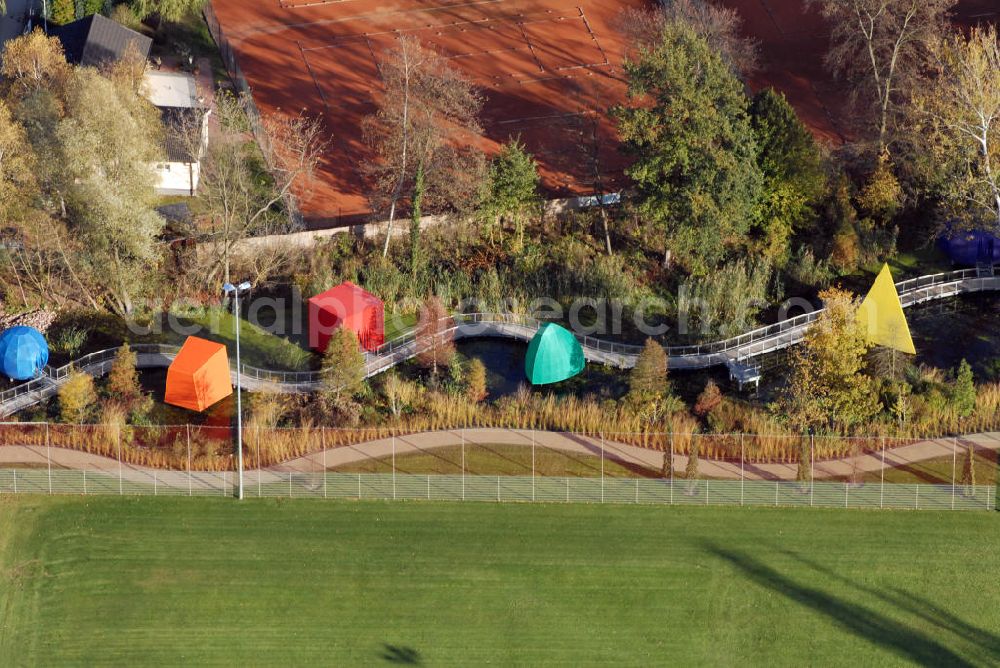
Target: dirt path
{"points": [[570, 444]]}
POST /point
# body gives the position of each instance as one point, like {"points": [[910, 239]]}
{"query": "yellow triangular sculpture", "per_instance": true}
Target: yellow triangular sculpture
{"points": [[881, 314]]}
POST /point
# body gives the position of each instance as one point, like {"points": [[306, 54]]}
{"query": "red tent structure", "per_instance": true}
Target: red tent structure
{"points": [[350, 306], [199, 376]]}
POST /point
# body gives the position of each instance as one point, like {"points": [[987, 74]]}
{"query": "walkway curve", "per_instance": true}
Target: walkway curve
{"points": [[732, 351], [566, 443]]}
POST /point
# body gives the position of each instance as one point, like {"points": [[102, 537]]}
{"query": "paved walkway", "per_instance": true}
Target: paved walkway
{"points": [[12, 456]]}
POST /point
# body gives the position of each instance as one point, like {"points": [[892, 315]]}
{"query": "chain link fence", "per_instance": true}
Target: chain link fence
{"points": [[500, 465]]}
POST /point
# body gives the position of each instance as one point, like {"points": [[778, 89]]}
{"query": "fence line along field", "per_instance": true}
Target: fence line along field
{"points": [[549, 70], [277, 582]]}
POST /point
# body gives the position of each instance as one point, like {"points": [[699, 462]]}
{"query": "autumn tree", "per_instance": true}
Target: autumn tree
{"points": [[34, 61], [686, 126], [969, 469], [17, 166], [708, 401], [475, 382], [77, 397], [510, 190], [881, 48], [108, 139], [123, 379], [960, 125], [343, 364], [434, 336], [720, 26], [246, 187], [427, 124], [649, 390], [827, 385]]}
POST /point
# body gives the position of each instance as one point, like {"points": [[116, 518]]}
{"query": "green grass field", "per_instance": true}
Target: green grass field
{"points": [[144, 581]]}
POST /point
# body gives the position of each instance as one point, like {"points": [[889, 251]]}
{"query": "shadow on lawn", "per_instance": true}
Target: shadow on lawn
{"points": [[930, 612], [399, 654], [905, 642]]}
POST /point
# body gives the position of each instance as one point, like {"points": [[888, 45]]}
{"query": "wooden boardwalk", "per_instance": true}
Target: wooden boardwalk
{"points": [[728, 352]]}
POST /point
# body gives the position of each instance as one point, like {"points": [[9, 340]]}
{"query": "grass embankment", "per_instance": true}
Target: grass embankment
{"points": [[157, 582], [514, 460]]}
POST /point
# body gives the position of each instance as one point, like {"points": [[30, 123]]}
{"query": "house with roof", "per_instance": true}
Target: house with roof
{"points": [[183, 112], [97, 41]]}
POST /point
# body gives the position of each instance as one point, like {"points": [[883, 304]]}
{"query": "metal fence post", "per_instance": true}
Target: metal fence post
{"points": [[742, 468], [463, 464], [775, 493], [259, 465], [85, 482], [498, 488], [602, 467], [14, 471], [359, 485], [847, 487], [393, 466], [532, 464], [289, 484], [118, 438], [48, 455], [881, 491], [954, 450], [189, 458], [154, 481], [567, 489], [322, 436], [812, 466], [916, 502], [671, 439]]}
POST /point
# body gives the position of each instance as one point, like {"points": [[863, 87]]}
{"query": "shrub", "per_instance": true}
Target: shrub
{"points": [[475, 382], [123, 379], [77, 397], [343, 363], [70, 341], [708, 400]]}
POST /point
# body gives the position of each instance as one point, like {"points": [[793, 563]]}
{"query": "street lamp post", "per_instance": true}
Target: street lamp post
{"points": [[235, 291]]}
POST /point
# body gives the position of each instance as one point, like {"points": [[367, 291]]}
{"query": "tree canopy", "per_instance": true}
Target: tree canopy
{"points": [[688, 128]]}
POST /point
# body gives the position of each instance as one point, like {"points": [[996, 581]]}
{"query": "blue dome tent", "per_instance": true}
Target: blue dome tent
{"points": [[23, 352]]}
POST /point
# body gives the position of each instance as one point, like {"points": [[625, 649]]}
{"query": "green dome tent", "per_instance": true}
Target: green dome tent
{"points": [[554, 355]]}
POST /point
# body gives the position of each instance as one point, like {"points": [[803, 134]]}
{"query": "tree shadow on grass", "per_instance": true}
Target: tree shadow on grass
{"points": [[920, 607], [399, 654], [906, 643]]}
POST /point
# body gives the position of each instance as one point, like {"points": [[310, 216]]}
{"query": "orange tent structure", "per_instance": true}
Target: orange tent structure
{"points": [[348, 306], [199, 376]]}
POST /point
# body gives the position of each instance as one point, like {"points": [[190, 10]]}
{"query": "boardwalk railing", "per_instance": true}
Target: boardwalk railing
{"points": [[756, 342]]}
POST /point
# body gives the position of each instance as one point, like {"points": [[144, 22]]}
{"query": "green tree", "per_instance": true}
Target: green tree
{"points": [[343, 364], [792, 169], [168, 10], [963, 392], [77, 397], [695, 169], [62, 11], [828, 386], [510, 192]]}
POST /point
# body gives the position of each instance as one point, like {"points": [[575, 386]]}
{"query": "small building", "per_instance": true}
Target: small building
{"points": [[350, 306], [175, 94], [199, 376], [97, 41]]}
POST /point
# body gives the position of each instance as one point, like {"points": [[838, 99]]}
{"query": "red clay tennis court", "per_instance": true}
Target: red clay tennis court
{"points": [[549, 69]]}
